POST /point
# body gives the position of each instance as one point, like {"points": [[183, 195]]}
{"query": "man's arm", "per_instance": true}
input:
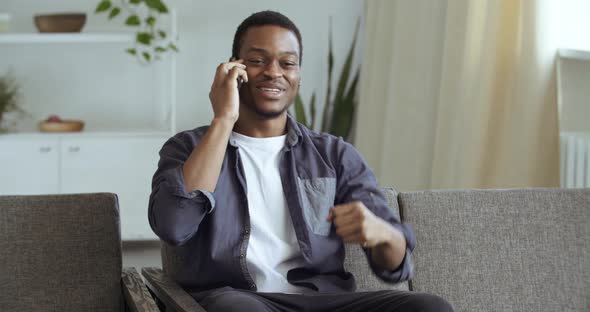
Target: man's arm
{"points": [[201, 170], [355, 223], [362, 215], [182, 186]]}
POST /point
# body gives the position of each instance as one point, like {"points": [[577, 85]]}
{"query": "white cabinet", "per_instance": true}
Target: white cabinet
{"points": [[119, 165], [52, 164], [29, 165]]}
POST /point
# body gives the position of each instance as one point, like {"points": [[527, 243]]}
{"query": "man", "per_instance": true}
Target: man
{"points": [[263, 206]]}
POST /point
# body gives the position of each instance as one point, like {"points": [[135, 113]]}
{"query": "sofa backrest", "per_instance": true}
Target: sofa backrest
{"points": [[356, 261], [60, 253], [502, 250]]}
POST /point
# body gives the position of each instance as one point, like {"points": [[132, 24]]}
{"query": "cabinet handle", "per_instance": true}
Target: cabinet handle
{"points": [[74, 149], [45, 149]]}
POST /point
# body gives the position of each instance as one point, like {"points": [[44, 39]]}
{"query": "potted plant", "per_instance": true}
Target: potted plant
{"points": [[151, 41], [339, 109], [9, 96]]}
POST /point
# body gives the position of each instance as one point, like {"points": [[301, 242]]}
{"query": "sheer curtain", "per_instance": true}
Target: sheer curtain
{"points": [[476, 107]]}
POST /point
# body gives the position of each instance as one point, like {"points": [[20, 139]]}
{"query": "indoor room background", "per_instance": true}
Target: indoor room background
{"points": [[451, 94]]}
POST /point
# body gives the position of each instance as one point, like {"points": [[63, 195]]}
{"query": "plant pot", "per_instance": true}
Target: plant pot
{"points": [[60, 23]]}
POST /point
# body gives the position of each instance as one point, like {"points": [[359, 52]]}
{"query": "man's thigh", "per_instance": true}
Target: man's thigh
{"points": [[229, 299], [379, 301]]}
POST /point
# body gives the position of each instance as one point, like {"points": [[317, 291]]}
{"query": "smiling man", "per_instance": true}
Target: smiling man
{"points": [[263, 206]]}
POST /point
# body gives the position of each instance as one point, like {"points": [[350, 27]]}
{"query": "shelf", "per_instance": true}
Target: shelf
{"points": [[574, 54], [118, 133], [19, 38]]}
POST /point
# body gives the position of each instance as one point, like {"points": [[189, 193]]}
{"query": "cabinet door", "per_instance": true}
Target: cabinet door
{"points": [[29, 165], [121, 165]]}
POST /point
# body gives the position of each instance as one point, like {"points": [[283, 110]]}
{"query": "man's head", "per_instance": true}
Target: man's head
{"points": [[270, 45]]}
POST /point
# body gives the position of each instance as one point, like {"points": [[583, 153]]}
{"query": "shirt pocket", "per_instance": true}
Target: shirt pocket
{"points": [[317, 197]]}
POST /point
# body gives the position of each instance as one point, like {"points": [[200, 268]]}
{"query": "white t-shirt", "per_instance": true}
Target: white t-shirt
{"points": [[272, 249]]}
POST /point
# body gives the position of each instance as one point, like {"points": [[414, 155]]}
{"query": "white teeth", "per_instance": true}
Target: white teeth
{"points": [[270, 90]]}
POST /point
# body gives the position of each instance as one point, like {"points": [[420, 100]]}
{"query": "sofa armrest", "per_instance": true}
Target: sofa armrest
{"points": [[169, 292], [137, 297]]}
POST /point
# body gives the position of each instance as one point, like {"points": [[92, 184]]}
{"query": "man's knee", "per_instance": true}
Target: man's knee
{"points": [[233, 300], [422, 302]]}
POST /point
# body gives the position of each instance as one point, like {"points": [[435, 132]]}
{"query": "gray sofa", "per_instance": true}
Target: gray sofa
{"points": [[482, 250], [63, 253]]}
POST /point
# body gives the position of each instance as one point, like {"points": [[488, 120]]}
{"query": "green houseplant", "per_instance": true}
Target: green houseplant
{"points": [[9, 95], [142, 15], [339, 109]]}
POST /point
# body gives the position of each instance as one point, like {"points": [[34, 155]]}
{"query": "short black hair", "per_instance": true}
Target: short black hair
{"points": [[263, 18]]}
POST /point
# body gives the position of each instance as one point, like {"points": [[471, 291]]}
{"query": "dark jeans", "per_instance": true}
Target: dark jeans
{"points": [[228, 299]]}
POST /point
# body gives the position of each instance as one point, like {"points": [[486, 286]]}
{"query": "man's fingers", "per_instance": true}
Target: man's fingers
{"points": [[348, 230], [237, 72], [343, 209], [345, 220], [224, 69]]}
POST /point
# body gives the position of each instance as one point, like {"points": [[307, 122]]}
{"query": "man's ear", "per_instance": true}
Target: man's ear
{"points": [[231, 59]]}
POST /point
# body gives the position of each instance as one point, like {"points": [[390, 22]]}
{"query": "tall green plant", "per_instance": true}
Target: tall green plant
{"points": [[339, 110], [150, 40]]}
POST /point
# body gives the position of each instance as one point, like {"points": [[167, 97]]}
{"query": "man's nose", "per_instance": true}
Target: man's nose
{"points": [[273, 70]]}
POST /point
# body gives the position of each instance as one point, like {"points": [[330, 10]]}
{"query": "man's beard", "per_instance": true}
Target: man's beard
{"points": [[269, 115]]}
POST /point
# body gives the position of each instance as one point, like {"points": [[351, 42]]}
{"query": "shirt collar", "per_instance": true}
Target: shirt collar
{"points": [[293, 133]]}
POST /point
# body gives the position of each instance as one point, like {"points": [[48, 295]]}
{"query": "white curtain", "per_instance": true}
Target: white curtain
{"points": [[459, 94]]}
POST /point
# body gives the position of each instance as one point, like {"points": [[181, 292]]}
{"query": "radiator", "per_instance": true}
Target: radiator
{"points": [[575, 159]]}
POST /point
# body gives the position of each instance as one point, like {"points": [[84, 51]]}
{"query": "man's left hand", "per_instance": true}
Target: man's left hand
{"points": [[355, 223]]}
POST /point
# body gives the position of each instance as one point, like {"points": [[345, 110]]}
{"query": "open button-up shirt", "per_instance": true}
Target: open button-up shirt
{"points": [[317, 171]]}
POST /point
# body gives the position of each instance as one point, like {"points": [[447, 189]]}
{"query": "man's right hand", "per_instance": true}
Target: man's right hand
{"points": [[224, 95]]}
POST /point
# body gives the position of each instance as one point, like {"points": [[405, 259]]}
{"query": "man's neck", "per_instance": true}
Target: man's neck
{"points": [[259, 127]]}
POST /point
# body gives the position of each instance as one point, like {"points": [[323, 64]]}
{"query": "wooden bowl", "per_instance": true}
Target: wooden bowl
{"points": [[60, 23], [61, 126]]}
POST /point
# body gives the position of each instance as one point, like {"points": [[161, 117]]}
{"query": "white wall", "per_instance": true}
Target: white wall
{"points": [[206, 30]]}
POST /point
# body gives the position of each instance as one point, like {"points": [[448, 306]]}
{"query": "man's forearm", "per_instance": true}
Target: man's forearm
{"points": [[201, 170], [389, 254]]}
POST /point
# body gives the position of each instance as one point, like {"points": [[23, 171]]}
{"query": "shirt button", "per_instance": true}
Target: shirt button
{"points": [[246, 231], [252, 286], [241, 255]]}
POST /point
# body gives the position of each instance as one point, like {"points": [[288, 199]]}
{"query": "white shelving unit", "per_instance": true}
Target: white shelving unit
{"points": [[20, 38], [118, 150]]}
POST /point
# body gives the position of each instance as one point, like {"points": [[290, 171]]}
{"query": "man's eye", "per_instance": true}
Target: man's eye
{"points": [[290, 64], [256, 61]]}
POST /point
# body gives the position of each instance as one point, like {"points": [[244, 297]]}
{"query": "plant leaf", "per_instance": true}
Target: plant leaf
{"points": [[133, 20], [160, 49], [114, 12], [162, 34], [173, 47], [312, 108], [157, 5], [300, 110], [103, 6], [144, 38], [131, 51], [151, 20], [344, 113], [147, 56], [327, 106], [342, 106]]}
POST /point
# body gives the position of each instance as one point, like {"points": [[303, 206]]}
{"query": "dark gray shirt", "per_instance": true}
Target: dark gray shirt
{"points": [[317, 171]]}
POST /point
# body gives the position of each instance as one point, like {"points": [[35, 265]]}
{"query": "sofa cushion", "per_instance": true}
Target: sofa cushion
{"points": [[503, 250], [60, 253]]}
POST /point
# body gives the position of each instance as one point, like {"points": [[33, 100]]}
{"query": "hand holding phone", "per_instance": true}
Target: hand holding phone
{"points": [[224, 95]]}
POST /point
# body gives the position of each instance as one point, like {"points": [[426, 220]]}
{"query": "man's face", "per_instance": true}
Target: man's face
{"points": [[271, 56]]}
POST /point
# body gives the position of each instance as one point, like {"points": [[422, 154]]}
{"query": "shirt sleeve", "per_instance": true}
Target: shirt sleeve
{"points": [[356, 182], [174, 212]]}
